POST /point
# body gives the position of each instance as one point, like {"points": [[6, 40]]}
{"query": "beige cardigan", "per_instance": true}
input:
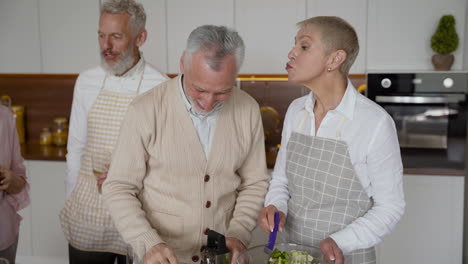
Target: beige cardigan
{"points": [[160, 160]]}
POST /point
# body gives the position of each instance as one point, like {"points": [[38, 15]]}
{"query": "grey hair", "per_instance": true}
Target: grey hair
{"points": [[218, 41], [134, 9], [336, 34]]}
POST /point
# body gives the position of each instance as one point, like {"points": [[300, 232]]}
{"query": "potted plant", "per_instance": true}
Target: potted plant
{"points": [[444, 42]]}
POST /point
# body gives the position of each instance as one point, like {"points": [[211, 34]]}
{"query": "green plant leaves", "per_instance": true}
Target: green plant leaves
{"points": [[445, 39]]}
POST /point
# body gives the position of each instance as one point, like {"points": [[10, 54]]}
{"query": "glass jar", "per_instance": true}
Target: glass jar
{"points": [[45, 138], [18, 114], [60, 131], [5, 100]]}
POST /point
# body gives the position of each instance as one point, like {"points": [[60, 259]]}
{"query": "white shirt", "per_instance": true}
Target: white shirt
{"points": [[373, 146], [87, 87], [205, 125]]}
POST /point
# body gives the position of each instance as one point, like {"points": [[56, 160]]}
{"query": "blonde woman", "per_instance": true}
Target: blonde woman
{"points": [[337, 181]]}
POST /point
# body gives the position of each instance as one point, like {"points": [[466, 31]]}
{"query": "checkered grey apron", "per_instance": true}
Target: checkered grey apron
{"points": [[326, 194], [85, 220]]}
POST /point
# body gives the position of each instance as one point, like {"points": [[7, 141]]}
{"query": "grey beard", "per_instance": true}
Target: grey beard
{"points": [[124, 65]]}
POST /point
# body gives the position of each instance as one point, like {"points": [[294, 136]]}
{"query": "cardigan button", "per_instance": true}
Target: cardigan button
{"points": [[195, 258], [208, 204], [207, 178]]}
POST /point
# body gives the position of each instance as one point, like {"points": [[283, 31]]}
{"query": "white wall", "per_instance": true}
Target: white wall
{"points": [[400, 32], [155, 48], [59, 36], [68, 30], [19, 41]]}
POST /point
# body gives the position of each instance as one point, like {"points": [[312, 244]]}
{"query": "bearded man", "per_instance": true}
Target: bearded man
{"points": [[101, 97]]}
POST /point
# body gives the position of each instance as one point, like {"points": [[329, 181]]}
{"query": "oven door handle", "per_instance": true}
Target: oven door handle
{"points": [[452, 98]]}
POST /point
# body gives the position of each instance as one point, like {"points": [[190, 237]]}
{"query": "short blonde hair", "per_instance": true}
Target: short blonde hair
{"points": [[336, 34]]}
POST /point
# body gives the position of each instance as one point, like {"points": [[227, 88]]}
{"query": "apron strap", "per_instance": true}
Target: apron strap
{"points": [[301, 125], [340, 127], [139, 82]]}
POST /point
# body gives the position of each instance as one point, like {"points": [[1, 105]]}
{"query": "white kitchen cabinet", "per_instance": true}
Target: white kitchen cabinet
{"points": [[19, 41], [431, 230], [155, 48], [40, 232], [355, 13], [268, 28], [399, 33], [59, 36], [184, 16], [68, 31]]}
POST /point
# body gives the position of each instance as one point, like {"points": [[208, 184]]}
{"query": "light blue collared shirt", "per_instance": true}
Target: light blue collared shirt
{"points": [[205, 125]]}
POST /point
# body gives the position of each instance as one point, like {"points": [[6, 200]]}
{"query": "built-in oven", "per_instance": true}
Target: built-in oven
{"points": [[429, 110]]}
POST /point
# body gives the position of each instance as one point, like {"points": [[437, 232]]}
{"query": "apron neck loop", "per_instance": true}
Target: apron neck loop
{"points": [[340, 127], [139, 82]]}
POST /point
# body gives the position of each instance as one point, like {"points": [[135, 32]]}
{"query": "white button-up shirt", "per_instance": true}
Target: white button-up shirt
{"points": [[205, 125], [373, 146]]}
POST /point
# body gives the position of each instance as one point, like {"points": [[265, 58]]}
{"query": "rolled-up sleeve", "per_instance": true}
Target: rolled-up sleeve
{"points": [[278, 193], [385, 171]]}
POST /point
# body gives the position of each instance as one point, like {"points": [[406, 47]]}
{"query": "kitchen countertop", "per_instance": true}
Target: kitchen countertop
{"points": [[35, 151], [434, 161], [414, 162], [40, 260], [434, 171]]}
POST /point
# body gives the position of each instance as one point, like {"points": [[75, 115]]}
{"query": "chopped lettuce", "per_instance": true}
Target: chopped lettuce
{"points": [[291, 257]]}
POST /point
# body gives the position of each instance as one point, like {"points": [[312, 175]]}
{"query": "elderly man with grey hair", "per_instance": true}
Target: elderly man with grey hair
{"points": [[190, 157], [100, 100]]}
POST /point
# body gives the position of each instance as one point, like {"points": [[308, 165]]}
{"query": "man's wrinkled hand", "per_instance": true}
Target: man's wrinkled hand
{"points": [[266, 219], [160, 254], [236, 247], [331, 252]]}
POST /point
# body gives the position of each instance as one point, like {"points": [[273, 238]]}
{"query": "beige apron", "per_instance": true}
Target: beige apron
{"points": [[326, 194], [85, 221]]}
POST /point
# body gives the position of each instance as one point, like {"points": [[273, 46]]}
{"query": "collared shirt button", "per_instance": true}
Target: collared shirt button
{"points": [[195, 258], [207, 178], [208, 204], [206, 231]]}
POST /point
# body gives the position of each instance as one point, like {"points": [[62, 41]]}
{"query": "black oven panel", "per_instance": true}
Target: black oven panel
{"points": [[416, 83], [430, 113]]}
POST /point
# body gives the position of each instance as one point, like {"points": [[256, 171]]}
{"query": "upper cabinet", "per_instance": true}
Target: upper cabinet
{"points": [[60, 36], [68, 31], [155, 47], [400, 32], [355, 13], [19, 44], [184, 16], [268, 28]]}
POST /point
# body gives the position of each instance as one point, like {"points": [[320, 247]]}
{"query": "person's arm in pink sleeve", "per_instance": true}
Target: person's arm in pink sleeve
{"points": [[21, 199]]}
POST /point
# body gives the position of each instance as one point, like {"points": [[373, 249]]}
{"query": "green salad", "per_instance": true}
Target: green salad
{"points": [[291, 257]]}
